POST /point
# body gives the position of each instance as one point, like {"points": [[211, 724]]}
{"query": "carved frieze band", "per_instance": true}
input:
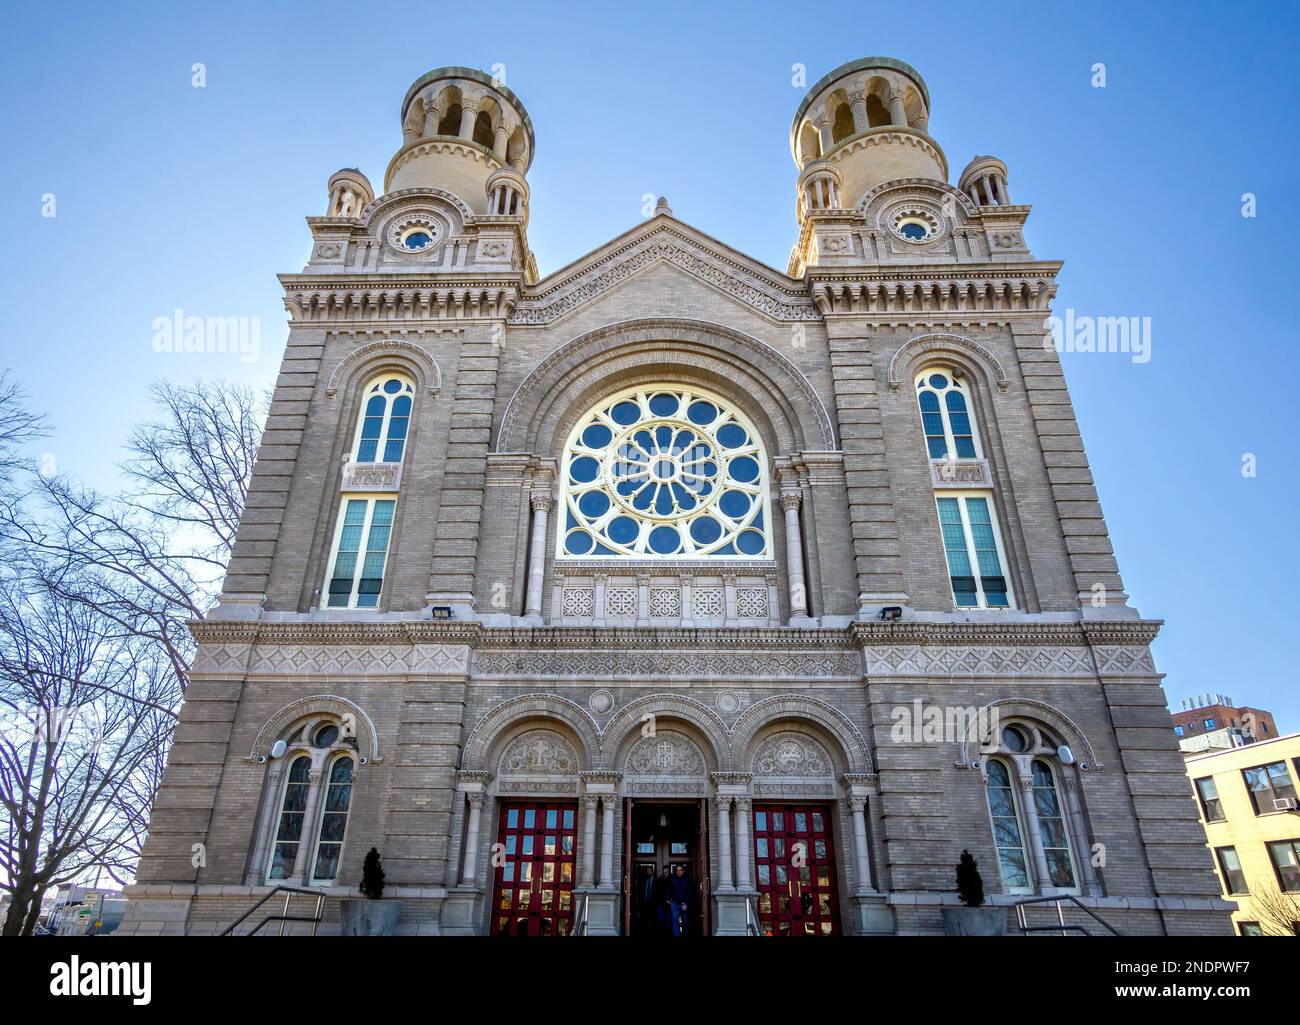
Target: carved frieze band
{"points": [[329, 660], [817, 664], [1007, 660]]}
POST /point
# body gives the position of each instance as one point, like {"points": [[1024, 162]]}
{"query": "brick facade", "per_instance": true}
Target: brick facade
{"points": [[821, 360]]}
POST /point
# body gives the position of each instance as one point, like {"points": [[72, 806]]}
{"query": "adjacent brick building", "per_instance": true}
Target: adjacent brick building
{"points": [[545, 585]]}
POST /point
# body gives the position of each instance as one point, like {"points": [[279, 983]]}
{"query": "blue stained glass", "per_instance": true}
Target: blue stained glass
{"points": [[375, 406], [594, 504], [664, 437], [625, 413], [732, 436], [706, 530], [938, 381], [622, 530], [965, 448], [702, 413], [663, 501], [734, 503], [597, 436], [664, 404], [938, 447], [933, 423], [578, 543], [744, 469], [664, 540], [956, 402], [392, 386], [584, 469], [750, 542], [929, 402]]}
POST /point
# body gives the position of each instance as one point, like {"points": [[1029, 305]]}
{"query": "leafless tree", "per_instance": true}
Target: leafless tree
{"points": [[18, 427], [1279, 911], [87, 712]]}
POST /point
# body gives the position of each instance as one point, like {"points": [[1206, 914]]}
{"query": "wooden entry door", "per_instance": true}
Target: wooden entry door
{"points": [[794, 855], [533, 890]]}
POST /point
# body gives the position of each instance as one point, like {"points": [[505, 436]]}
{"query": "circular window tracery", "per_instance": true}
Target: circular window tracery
{"points": [[664, 472]]}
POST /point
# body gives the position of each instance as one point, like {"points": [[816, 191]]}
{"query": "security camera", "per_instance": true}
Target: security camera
{"points": [[364, 760], [261, 759]]}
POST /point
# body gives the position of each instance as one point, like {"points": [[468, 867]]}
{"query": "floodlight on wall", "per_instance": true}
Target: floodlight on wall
{"points": [[277, 749], [1065, 754], [891, 613], [441, 612]]}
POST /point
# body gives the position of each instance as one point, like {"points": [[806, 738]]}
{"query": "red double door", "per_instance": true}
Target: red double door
{"points": [[794, 860], [534, 869]]}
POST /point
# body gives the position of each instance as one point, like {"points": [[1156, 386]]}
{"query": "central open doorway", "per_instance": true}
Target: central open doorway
{"points": [[663, 835]]}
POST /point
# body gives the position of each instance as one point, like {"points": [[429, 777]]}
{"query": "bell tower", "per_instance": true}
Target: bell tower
{"points": [[873, 183], [455, 194]]}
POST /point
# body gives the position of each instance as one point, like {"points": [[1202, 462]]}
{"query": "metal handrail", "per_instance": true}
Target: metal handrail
{"points": [[752, 927], [580, 917], [288, 892], [1023, 920]]}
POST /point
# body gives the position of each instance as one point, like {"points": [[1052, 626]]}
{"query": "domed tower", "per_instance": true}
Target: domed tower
{"points": [[455, 197], [460, 128], [867, 121], [873, 184]]}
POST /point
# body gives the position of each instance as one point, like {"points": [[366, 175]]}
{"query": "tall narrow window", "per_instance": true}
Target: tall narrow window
{"points": [[974, 552], [1234, 879], [1006, 828], [385, 417], [333, 820], [945, 415], [288, 830], [356, 572], [1051, 826], [1286, 863], [1211, 806]]}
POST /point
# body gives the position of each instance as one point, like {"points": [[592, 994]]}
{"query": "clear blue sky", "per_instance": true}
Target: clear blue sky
{"points": [[170, 196]]}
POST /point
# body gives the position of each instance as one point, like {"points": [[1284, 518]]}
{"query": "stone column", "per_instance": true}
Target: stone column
{"points": [[1000, 185], [432, 115], [468, 114], [744, 843], [587, 868], [266, 828], [724, 842], [499, 141], [1035, 833], [861, 848], [858, 105], [794, 554], [306, 841], [541, 503], [607, 841], [1079, 833], [897, 115], [469, 871], [824, 134], [988, 189]]}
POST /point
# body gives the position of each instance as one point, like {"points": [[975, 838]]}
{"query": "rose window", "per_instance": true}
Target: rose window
{"points": [[664, 472]]}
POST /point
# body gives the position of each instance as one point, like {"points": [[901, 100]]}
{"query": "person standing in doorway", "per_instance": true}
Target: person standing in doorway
{"points": [[680, 897], [659, 901]]}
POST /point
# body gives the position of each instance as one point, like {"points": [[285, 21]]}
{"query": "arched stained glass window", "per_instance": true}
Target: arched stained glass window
{"points": [[293, 808], [1051, 826], [385, 417], [1007, 835], [664, 472], [946, 415], [333, 820]]}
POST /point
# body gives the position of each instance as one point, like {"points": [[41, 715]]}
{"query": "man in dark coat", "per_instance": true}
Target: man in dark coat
{"points": [[681, 895], [659, 901]]}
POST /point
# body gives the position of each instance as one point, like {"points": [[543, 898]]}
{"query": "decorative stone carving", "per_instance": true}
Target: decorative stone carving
{"points": [[578, 602], [939, 341], [978, 660], [785, 665], [620, 603], [539, 752], [391, 346], [751, 603], [791, 754], [666, 753], [665, 602], [708, 602]]}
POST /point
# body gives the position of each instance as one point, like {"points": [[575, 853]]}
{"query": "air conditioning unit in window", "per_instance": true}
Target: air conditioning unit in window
{"points": [[1284, 804]]}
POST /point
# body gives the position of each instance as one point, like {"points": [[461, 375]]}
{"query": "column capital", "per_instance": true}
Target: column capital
{"points": [[860, 783], [790, 499], [475, 797], [541, 501], [473, 779]]}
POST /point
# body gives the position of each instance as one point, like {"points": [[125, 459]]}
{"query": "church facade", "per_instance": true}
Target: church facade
{"points": [[794, 580]]}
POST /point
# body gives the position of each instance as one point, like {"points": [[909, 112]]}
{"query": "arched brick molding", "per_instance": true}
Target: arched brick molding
{"points": [[771, 388], [797, 708], [668, 707], [1027, 708], [401, 350], [940, 343], [319, 704], [540, 708]]}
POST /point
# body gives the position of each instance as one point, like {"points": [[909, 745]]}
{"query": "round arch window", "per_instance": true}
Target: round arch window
{"points": [[326, 735], [664, 472]]}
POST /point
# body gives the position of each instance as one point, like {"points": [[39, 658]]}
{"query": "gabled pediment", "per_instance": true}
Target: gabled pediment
{"points": [[664, 239]]}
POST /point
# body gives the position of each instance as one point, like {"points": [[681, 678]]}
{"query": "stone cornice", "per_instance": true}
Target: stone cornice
{"points": [[398, 298], [871, 633]]}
